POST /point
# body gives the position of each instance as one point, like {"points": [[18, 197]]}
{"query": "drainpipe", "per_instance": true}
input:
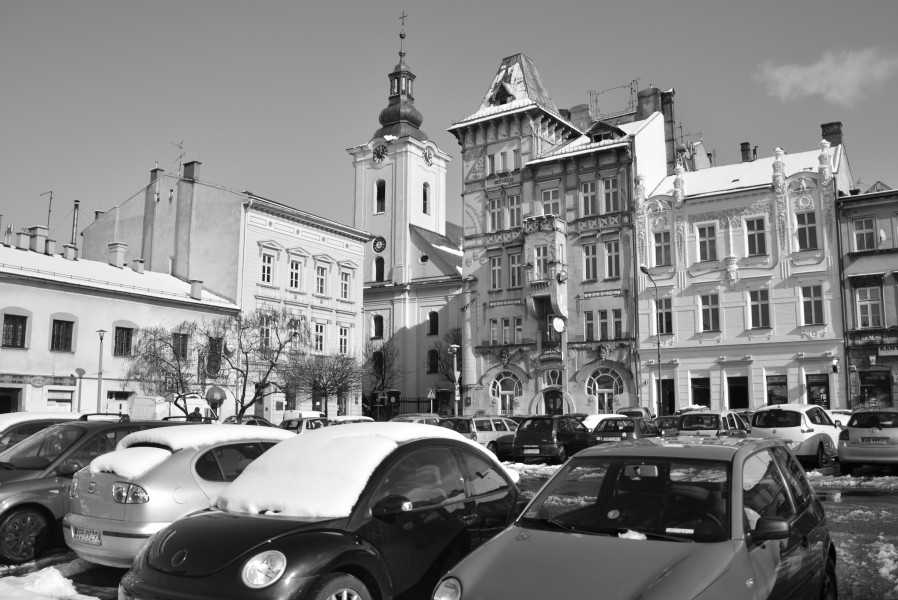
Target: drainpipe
{"points": [[846, 339]]}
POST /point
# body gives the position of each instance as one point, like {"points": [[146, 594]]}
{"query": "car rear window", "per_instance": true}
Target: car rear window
{"points": [[776, 418], [459, 425], [883, 420], [536, 425], [697, 422]]}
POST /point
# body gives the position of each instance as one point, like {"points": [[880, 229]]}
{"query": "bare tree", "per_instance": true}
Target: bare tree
{"points": [[323, 376], [161, 363], [446, 362], [382, 368]]}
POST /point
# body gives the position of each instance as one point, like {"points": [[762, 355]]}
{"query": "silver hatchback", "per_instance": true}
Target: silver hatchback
{"points": [[869, 438]]}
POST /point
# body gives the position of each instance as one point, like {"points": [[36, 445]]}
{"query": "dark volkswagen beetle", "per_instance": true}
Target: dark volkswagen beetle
{"points": [[363, 511]]}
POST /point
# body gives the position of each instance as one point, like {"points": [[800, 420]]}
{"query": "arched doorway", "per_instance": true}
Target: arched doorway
{"points": [[604, 384], [554, 402]]}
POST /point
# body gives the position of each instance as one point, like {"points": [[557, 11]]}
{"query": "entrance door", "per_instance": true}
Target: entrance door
{"points": [[605, 401], [668, 400], [737, 391], [554, 401], [9, 400]]}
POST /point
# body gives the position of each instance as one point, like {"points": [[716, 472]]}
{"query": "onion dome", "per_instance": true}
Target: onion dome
{"points": [[400, 118]]}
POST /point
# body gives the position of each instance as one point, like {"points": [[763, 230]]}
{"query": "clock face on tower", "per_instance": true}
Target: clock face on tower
{"points": [[380, 153], [428, 156], [379, 244]]}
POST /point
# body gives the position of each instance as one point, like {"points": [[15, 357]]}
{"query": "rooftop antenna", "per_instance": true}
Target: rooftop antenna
{"points": [[179, 146], [596, 112], [49, 208]]}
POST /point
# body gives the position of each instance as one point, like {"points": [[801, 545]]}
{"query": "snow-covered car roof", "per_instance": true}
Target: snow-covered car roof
{"points": [[14, 418], [281, 482]]}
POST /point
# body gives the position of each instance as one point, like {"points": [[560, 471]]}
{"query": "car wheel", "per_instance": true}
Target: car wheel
{"points": [[23, 534], [820, 458], [830, 588], [846, 468], [339, 586], [492, 447], [562, 455]]}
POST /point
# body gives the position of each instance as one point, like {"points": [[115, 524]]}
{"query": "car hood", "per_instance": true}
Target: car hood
{"points": [[211, 541], [514, 565]]}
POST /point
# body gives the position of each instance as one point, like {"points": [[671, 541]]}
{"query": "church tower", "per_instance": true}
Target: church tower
{"points": [[412, 268]]}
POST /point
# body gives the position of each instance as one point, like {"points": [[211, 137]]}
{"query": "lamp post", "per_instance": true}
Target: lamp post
{"points": [[645, 270], [80, 372], [102, 332], [453, 350]]}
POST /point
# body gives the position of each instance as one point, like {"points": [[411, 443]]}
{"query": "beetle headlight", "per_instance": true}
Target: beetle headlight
{"points": [[264, 569], [448, 589]]}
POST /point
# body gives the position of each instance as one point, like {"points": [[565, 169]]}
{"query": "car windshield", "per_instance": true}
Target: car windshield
{"points": [[666, 499], [768, 419], [883, 420], [42, 448], [696, 422], [536, 425], [459, 425]]}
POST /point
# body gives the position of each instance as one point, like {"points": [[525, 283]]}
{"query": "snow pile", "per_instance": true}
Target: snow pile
{"points": [[40, 585], [886, 558], [197, 436], [819, 480], [129, 463]]}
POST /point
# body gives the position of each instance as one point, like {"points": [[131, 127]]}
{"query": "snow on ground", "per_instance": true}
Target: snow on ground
{"points": [[50, 583]]}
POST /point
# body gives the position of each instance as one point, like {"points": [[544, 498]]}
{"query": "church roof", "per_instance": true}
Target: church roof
{"points": [[448, 248], [401, 118]]}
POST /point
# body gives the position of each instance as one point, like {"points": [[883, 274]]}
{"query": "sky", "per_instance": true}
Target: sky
{"points": [[268, 95]]}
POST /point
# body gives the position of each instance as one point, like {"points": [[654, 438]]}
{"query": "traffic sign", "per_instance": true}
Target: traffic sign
{"points": [[431, 394]]}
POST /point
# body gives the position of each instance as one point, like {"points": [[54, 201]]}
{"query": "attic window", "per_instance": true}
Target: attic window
{"points": [[735, 180]]}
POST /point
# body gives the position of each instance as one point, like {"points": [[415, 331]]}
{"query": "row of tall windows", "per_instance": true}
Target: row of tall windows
{"points": [[611, 251], [603, 324], [506, 330], [502, 162], [380, 197], [497, 272], [432, 325], [62, 333], [295, 279], [504, 213]]}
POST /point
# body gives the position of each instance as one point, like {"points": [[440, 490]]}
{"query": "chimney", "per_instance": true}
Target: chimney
{"points": [[192, 170], [156, 173], [70, 251], [24, 239], [75, 222], [754, 153], [196, 289], [745, 147], [832, 132], [98, 214], [38, 237], [50, 247], [137, 265], [117, 254]]}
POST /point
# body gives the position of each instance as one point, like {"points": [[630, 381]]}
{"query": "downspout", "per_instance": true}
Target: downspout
{"points": [[246, 209], [637, 361], [846, 339]]}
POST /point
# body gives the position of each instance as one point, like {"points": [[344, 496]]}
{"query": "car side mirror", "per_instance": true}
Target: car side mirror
{"points": [[771, 528], [69, 468], [391, 505]]}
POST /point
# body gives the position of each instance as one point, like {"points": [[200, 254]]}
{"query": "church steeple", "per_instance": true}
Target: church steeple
{"points": [[400, 118]]}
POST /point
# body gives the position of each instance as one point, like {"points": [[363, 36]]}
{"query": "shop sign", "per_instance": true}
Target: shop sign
{"points": [[36, 380], [888, 350]]}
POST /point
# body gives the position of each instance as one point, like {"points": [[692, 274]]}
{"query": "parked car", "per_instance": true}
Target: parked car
{"points": [[592, 420], [485, 430], [248, 420], [838, 417], [347, 419], [637, 411], [426, 418], [667, 424], [869, 438], [549, 437], [746, 415], [620, 428], [36, 471], [154, 477], [16, 426], [379, 510], [711, 423], [684, 517], [813, 435], [303, 424]]}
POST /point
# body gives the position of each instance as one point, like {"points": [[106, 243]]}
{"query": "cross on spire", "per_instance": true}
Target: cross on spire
{"points": [[402, 18]]}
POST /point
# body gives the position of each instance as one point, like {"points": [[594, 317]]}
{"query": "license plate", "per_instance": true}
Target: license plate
{"points": [[87, 536], [531, 450], [610, 439], [874, 440]]}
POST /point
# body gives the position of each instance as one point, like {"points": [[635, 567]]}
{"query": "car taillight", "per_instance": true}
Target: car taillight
{"points": [[843, 435], [129, 493], [73, 487]]}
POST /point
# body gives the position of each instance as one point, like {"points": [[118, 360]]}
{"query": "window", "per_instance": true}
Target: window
{"points": [[590, 200], [14, 331], [777, 390], [760, 308], [863, 235], [433, 323], [264, 332], [807, 231], [756, 236], [494, 332], [514, 270], [61, 340], [321, 280], [612, 259], [379, 268], [495, 214], [603, 324], [215, 345], [296, 328], [425, 199], [506, 330], [812, 301], [344, 340], [518, 330], [319, 337], [662, 249], [179, 342], [495, 272], [514, 211], [541, 262], [869, 307], [618, 315], [344, 285], [295, 274], [551, 203], [491, 164], [664, 308], [516, 155], [707, 243], [590, 262], [122, 345], [612, 194], [503, 162], [701, 391], [589, 326], [433, 361], [710, 312], [268, 268], [764, 490], [378, 326], [380, 203]]}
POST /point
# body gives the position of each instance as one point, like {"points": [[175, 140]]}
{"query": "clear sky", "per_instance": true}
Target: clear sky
{"points": [[268, 95]]}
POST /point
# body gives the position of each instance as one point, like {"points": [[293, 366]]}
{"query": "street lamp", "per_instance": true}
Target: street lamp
{"points": [[645, 270], [453, 350], [102, 332], [80, 373]]}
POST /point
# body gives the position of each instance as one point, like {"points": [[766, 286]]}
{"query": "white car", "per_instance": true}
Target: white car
{"points": [[153, 478], [813, 435]]}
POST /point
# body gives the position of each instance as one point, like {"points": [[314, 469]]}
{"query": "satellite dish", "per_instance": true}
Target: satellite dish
{"points": [[558, 324]]}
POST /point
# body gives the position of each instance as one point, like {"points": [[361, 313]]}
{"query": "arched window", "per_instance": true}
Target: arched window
{"points": [[377, 326], [381, 200], [379, 268], [425, 199], [433, 323], [507, 388], [433, 361], [604, 384]]}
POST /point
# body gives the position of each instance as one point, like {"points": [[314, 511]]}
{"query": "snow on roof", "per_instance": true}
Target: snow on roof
{"points": [[14, 418], [130, 463], [321, 473], [99, 275], [196, 436], [756, 173]]}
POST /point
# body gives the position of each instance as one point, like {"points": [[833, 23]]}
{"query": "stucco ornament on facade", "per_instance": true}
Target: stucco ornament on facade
{"points": [[779, 189], [681, 239]]}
